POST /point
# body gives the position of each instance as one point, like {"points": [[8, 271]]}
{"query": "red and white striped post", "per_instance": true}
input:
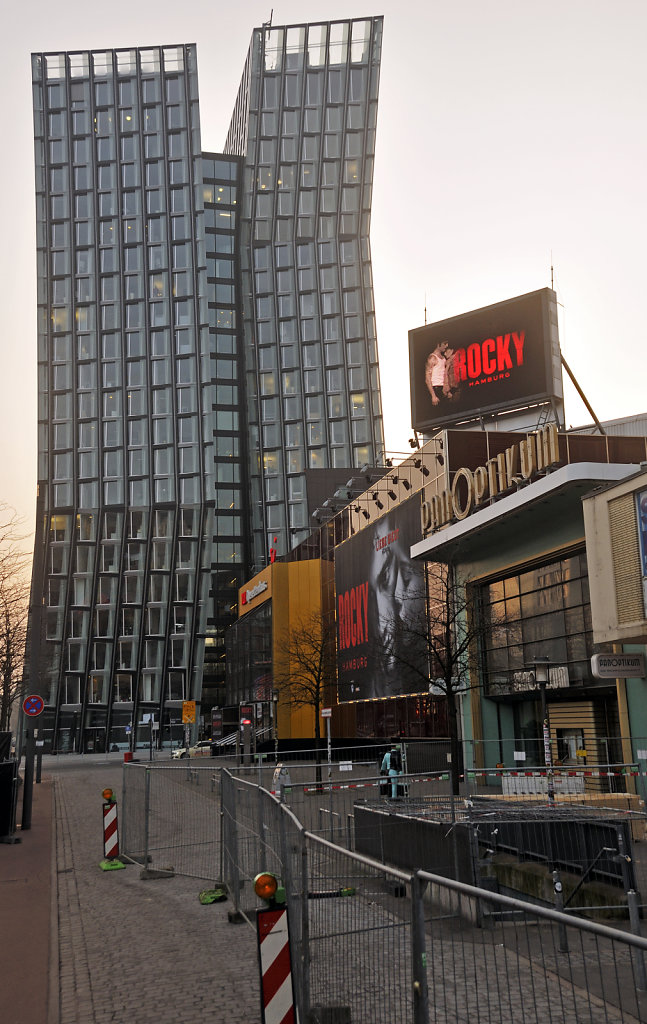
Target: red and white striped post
{"points": [[110, 833], [277, 994]]}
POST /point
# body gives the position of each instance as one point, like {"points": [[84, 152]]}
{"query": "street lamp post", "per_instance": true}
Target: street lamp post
{"points": [[542, 670], [275, 709]]}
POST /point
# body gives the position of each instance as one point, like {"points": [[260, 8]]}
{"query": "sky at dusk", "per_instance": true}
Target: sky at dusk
{"points": [[510, 135]]}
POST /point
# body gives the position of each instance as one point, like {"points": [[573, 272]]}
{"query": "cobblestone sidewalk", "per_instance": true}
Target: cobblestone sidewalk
{"points": [[139, 951]]}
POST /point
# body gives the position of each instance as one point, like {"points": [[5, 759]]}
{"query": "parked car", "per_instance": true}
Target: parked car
{"points": [[201, 749]]}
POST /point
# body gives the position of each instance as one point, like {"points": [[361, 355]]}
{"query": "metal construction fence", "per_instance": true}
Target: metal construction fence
{"points": [[170, 818], [373, 943]]}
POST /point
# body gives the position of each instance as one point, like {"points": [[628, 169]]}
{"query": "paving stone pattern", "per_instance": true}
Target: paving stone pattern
{"points": [[139, 951]]}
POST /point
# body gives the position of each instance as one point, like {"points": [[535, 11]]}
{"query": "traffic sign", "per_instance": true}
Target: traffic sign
{"points": [[33, 705], [326, 712], [188, 712]]}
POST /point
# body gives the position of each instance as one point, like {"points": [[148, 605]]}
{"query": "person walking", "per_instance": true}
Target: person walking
{"points": [[392, 766]]}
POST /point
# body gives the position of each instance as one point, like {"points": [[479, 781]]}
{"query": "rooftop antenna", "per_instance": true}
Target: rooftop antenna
{"points": [[551, 271], [268, 24], [425, 307]]}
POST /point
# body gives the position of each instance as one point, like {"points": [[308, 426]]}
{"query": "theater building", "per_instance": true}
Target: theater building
{"points": [[504, 510], [501, 508], [510, 523]]}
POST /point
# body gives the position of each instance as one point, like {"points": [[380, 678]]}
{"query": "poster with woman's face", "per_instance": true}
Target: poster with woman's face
{"points": [[381, 609]]}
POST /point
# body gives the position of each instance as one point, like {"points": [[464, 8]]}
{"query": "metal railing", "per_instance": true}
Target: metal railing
{"points": [[372, 944]]}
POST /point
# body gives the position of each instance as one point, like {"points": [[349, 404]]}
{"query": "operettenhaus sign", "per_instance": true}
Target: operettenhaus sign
{"points": [[470, 489]]}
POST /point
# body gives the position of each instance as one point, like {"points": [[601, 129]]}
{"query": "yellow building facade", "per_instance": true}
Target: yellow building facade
{"points": [[285, 614]]}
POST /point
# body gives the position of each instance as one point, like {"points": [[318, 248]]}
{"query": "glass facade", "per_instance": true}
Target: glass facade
{"points": [[543, 612], [126, 424], [230, 550], [304, 125], [206, 334], [249, 657]]}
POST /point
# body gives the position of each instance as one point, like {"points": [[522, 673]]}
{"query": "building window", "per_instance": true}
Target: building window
{"points": [[543, 612]]}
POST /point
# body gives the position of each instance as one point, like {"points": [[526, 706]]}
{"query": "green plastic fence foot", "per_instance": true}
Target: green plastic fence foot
{"points": [[212, 896], [111, 865]]}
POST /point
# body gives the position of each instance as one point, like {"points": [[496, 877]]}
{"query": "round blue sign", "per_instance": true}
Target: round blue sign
{"points": [[33, 705]]}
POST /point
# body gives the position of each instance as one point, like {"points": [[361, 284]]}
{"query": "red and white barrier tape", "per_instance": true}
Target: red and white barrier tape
{"points": [[476, 774]]}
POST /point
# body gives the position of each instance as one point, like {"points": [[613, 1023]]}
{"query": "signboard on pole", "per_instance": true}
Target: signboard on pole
{"points": [[618, 666], [188, 712]]}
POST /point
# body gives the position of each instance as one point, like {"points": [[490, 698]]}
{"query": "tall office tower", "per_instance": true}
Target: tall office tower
{"points": [[304, 124], [122, 565], [206, 338]]}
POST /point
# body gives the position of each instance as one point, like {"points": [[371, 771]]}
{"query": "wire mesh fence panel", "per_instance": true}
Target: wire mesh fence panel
{"points": [[185, 821], [328, 807], [368, 753], [181, 830], [301, 773], [254, 832], [359, 932], [375, 938], [512, 844], [522, 966], [619, 784]]}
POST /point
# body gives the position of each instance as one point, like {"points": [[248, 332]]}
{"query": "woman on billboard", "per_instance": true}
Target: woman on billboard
{"points": [[396, 612]]}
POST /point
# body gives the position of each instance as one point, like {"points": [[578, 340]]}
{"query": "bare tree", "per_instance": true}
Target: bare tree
{"points": [[14, 606], [307, 675], [436, 647]]}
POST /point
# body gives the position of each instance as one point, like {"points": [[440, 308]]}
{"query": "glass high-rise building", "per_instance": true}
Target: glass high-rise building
{"points": [[206, 335], [304, 125]]}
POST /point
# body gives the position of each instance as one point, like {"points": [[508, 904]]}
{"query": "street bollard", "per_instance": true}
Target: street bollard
{"points": [[28, 782], [39, 760]]}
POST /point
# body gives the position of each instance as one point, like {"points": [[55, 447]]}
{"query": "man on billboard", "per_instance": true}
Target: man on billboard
{"points": [[440, 373]]}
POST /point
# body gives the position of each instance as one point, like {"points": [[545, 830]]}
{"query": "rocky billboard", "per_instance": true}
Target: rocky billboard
{"points": [[381, 647], [501, 357]]}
